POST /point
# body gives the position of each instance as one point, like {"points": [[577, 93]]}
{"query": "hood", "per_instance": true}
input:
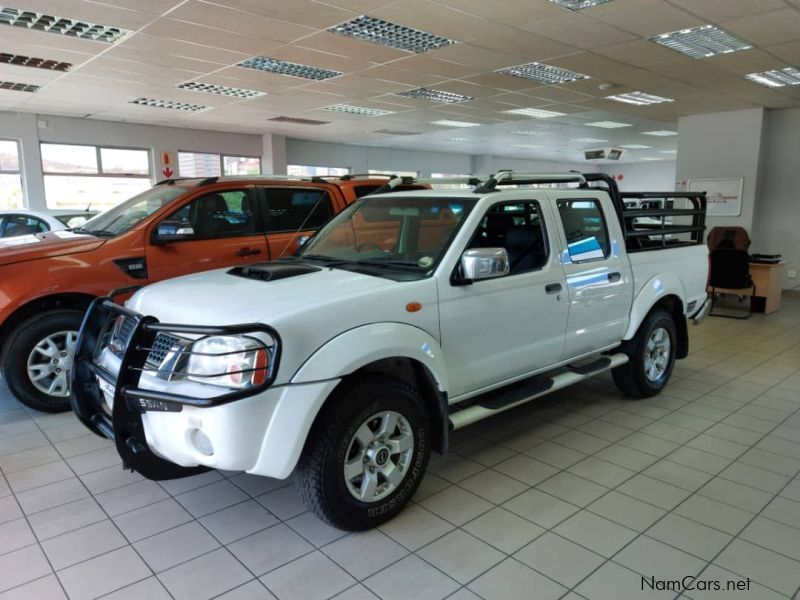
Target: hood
{"points": [[45, 245], [233, 296]]}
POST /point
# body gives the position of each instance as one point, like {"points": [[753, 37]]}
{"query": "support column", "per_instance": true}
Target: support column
{"points": [[482, 165], [273, 154]]}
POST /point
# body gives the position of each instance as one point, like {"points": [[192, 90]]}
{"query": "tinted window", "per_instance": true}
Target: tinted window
{"points": [[584, 228], [296, 209], [217, 215], [23, 225]]}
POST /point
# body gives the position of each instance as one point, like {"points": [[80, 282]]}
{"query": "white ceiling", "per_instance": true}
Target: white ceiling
{"points": [[173, 41]]}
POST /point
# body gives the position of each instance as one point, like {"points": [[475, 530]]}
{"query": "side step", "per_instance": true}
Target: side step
{"points": [[597, 366], [496, 402]]}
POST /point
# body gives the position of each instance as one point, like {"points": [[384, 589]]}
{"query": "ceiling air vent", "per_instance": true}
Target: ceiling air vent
{"points": [[222, 90], [60, 25], [386, 33], [18, 87], [155, 103], [299, 121], [604, 154], [280, 67], [364, 111], [38, 63]]}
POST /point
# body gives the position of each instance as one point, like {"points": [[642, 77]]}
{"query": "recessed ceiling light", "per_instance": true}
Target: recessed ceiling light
{"points": [[776, 77], [578, 4], [536, 113], [18, 87], [464, 140], [281, 67], [701, 42], [391, 34], [588, 140], [155, 103], [222, 90], [543, 73], [608, 124], [298, 121], [529, 132], [660, 133], [435, 95], [60, 25], [364, 111], [639, 98], [395, 132], [650, 158], [449, 123], [668, 151], [634, 146], [527, 146], [39, 63]]}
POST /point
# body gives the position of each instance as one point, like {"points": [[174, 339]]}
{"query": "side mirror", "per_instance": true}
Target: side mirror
{"points": [[167, 232], [484, 263]]}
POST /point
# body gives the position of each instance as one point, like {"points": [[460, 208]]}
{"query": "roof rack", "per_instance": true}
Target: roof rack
{"points": [[475, 181], [509, 177], [351, 176], [393, 183], [216, 178]]}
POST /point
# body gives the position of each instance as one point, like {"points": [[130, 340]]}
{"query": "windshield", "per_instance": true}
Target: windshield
{"points": [[130, 213], [406, 233]]}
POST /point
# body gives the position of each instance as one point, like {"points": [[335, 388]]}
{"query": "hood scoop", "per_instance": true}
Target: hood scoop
{"points": [[272, 271]]}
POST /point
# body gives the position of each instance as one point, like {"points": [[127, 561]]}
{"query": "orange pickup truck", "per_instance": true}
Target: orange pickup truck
{"points": [[178, 227]]}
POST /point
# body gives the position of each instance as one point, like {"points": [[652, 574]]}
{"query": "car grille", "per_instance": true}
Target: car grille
{"points": [[161, 346]]}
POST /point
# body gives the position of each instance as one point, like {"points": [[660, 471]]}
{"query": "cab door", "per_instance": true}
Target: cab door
{"points": [[291, 214], [505, 328], [598, 274], [221, 228]]}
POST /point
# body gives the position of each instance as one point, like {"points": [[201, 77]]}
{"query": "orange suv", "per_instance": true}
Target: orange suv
{"points": [[178, 227]]}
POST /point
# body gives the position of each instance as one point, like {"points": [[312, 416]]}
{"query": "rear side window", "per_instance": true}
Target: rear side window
{"points": [[24, 225], [230, 213], [296, 209], [585, 229]]}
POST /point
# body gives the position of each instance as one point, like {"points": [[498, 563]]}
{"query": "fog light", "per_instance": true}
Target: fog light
{"points": [[201, 442]]}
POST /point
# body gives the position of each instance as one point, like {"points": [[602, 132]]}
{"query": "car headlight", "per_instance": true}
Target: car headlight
{"points": [[232, 361]]}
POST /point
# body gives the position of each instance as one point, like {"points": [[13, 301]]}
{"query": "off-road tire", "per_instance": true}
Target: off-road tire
{"points": [[319, 475], [631, 377]]}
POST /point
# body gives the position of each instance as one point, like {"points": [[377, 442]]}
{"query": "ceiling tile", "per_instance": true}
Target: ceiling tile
{"points": [[643, 54], [578, 30], [645, 17], [438, 19], [788, 52], [498, 81], [405, 76], [556, 93], [593, 65], [770, 28], [718, 11], [742, 63], [305, 12], [527, 46], [472, 56], [509, 12], [103, 14], [444, 68], [315, 58], [325, 41], [210, 36], [152, 43]]}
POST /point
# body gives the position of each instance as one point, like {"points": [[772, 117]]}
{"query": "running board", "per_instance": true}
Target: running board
{"points": [[597, 366], [515, 395]]}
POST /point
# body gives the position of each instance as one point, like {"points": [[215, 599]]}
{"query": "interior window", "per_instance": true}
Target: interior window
{"points": [[296, 209], [519, 228], [584, 228], [230, 213]]}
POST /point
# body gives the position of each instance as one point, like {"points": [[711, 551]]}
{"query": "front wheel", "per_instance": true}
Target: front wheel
{"points": [[366, 453], [652, 356], [38, 359]]}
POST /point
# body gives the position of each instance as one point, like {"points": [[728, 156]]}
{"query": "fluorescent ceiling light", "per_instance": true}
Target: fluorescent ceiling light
{"points": [[155, 103], [281, 67], [608, 124], [650, 158], [386, 33], [701, 42], [543, 73], [39, 63], [527, 146], [60, 25], [529, 132], [18, 87], [660, 133], [449, 123], [634, 146], [463, 140], [588, 140], [536, 113], [578, 4], [435, 95], [364, 111], [299, 121], [222, 90], [639, 98], [668, 151], [777, 77]]}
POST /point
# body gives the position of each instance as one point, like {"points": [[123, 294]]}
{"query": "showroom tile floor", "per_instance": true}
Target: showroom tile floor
{"points": [[579, 496]]}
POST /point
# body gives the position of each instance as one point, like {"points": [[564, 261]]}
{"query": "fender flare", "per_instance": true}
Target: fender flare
{"points": [[658, 287]]}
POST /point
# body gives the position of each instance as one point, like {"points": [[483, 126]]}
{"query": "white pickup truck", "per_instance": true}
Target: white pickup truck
{"points": [[408, 315]]}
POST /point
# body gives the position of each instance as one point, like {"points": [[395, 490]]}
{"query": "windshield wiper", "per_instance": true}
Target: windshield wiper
{"points": [[391, 262], [96, 232], [329, 261]]}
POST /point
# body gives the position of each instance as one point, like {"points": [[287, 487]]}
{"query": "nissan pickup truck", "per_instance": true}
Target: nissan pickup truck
{"points": [[178, 227], [407, 316]]}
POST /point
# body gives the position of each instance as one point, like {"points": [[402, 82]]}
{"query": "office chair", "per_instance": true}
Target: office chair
{"points": [[730, 270]]}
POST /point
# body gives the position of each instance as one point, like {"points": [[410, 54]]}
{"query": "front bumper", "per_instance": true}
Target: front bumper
{"points": [[164, 435]]}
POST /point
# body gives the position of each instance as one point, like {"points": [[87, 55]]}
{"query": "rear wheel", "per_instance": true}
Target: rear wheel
{"points": [[366, 453], [38, 359], [652, 356]]}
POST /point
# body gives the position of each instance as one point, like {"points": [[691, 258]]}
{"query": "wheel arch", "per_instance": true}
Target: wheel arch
{"points": [[71, 300], [663, 291]]}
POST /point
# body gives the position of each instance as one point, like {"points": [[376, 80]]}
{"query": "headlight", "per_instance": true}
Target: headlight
{"points": [[232, 361]]}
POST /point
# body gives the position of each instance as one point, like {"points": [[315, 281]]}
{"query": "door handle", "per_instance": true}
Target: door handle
{"points": [[248, 252], [552, 288], [614, 276]]}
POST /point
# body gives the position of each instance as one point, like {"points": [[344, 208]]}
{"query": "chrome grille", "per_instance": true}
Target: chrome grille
{"points": [[161, 346]]}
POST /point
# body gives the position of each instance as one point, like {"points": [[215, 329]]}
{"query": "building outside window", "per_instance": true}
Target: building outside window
{"points": [[312, 171], [10, 179], [93, 177], [206, 164]]}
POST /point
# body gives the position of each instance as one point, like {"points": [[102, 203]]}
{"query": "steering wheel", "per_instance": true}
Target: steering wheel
{"points": [[367, 245]]}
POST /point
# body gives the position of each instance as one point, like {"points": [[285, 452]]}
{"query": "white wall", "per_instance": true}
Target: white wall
{"points": [[777, 211], [644, 177]]}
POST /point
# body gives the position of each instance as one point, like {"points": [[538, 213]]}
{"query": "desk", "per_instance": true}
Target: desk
{"points": [[769, 283]]}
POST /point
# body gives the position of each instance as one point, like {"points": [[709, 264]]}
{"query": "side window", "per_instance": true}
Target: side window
{"points": [[519, 228], [296, 209], [585, 229], [24, 225], [217, 215]]}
